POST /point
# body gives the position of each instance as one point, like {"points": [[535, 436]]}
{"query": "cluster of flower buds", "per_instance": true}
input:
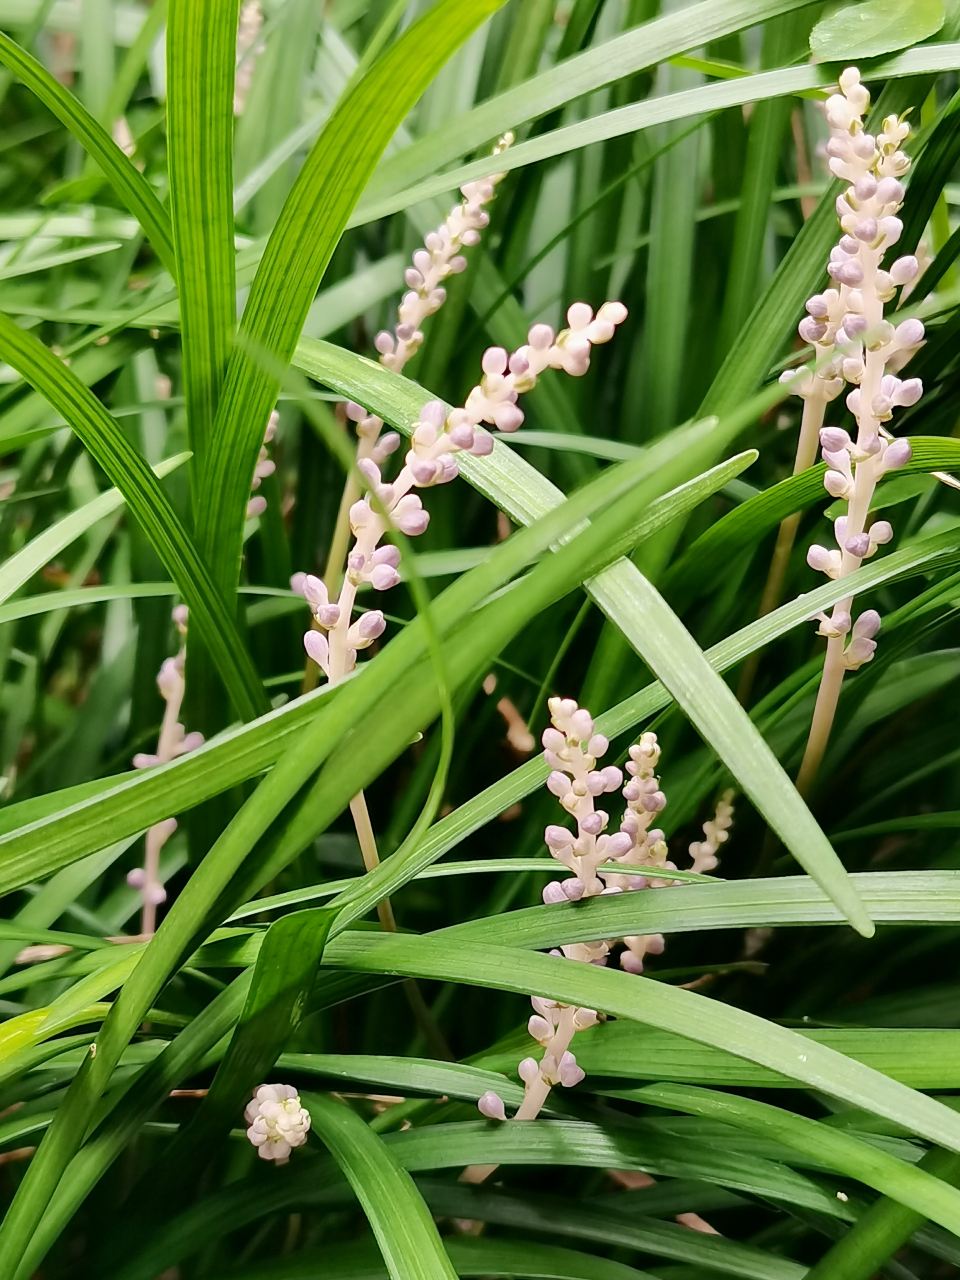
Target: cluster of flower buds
{"points": [[249, 49], [265, 467], [436, 262], [435, 441], [855, 344], [572, 749], [494, 400], [173, 742], [277, 1121]]}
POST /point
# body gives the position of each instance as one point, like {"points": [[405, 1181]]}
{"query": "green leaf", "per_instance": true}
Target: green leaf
{"points": [[635, 50], [676, 659], [746, 524], [874, 27], [148, 503], [129, 184], [653, 1003], [282, 979], [882, 1230], [300, 246], [904, 1182], [405, 1231], [514, 1258], [201, 56], [478, 639], [46, 546], [547, 1142], [645, 115], [922, 1059]]}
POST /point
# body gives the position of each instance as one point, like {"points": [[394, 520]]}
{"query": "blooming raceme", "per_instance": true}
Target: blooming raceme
{"points": [[431, 460], [437, 261], [632, 858], [855, 344], [173, 742], [277, 1121], [265, 467]]}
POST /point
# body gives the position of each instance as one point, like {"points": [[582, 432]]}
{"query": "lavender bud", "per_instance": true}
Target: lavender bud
{"points": [[591, 824], [328, 615], [905, 269], [818, 307], [597, 746], [811, 330], [491, 1106], [834, 439], [909, 334], [553, 893], [631, 963], [889, 191], [317, 647], [529, 1070], [570, 1073], [897, 454], [866, 230], [383, 577], [463, 436], [573, 889], [558, 837], [881, 531], [867, 625], [858, 545]]}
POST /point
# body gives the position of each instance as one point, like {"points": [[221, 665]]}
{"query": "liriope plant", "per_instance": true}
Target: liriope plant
{"points": [[719, 1076]]}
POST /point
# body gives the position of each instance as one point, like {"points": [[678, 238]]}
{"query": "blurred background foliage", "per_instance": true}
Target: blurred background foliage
{"points": [[688, 222]]}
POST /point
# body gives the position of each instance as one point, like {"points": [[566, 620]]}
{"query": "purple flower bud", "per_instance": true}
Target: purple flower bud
{"points": [[553, 893], [558, 783], [910, 333], [423, 470], [494, 361], [137, 878], [834, 439], [482, 445], [854, 324], [867, 625], [612, 777], [462, 436], [570, 1073], [313, 590], [909, 391], [654, 802], [656, 942], [598, 746], [328, 615], [905, 269], [858, 545], [552, 739], [573, 889], [507, 417], [881, 531], [581, 722], [866, 230], [383, 577], [491, 1106], [865, 187], [818, 307], [897, 454], [889, 191], [849, 273], [384, 343], [355, 412], [540, 1029], [317, 647], [631, 963], [811, 330], [618, 844], [558, 837], [529, 1070], [356, 561], [591, 824], [256, 506], [371, 625]]}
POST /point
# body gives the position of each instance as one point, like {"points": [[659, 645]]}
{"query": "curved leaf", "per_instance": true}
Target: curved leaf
{"points": [[300, 246], [148, 503], [129, 184]]}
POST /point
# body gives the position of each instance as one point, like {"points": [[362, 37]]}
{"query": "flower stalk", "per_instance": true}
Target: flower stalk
{"points": [[855, 344]]}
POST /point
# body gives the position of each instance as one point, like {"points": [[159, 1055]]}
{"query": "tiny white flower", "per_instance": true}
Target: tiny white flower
{"points": [[277, 1121]]}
